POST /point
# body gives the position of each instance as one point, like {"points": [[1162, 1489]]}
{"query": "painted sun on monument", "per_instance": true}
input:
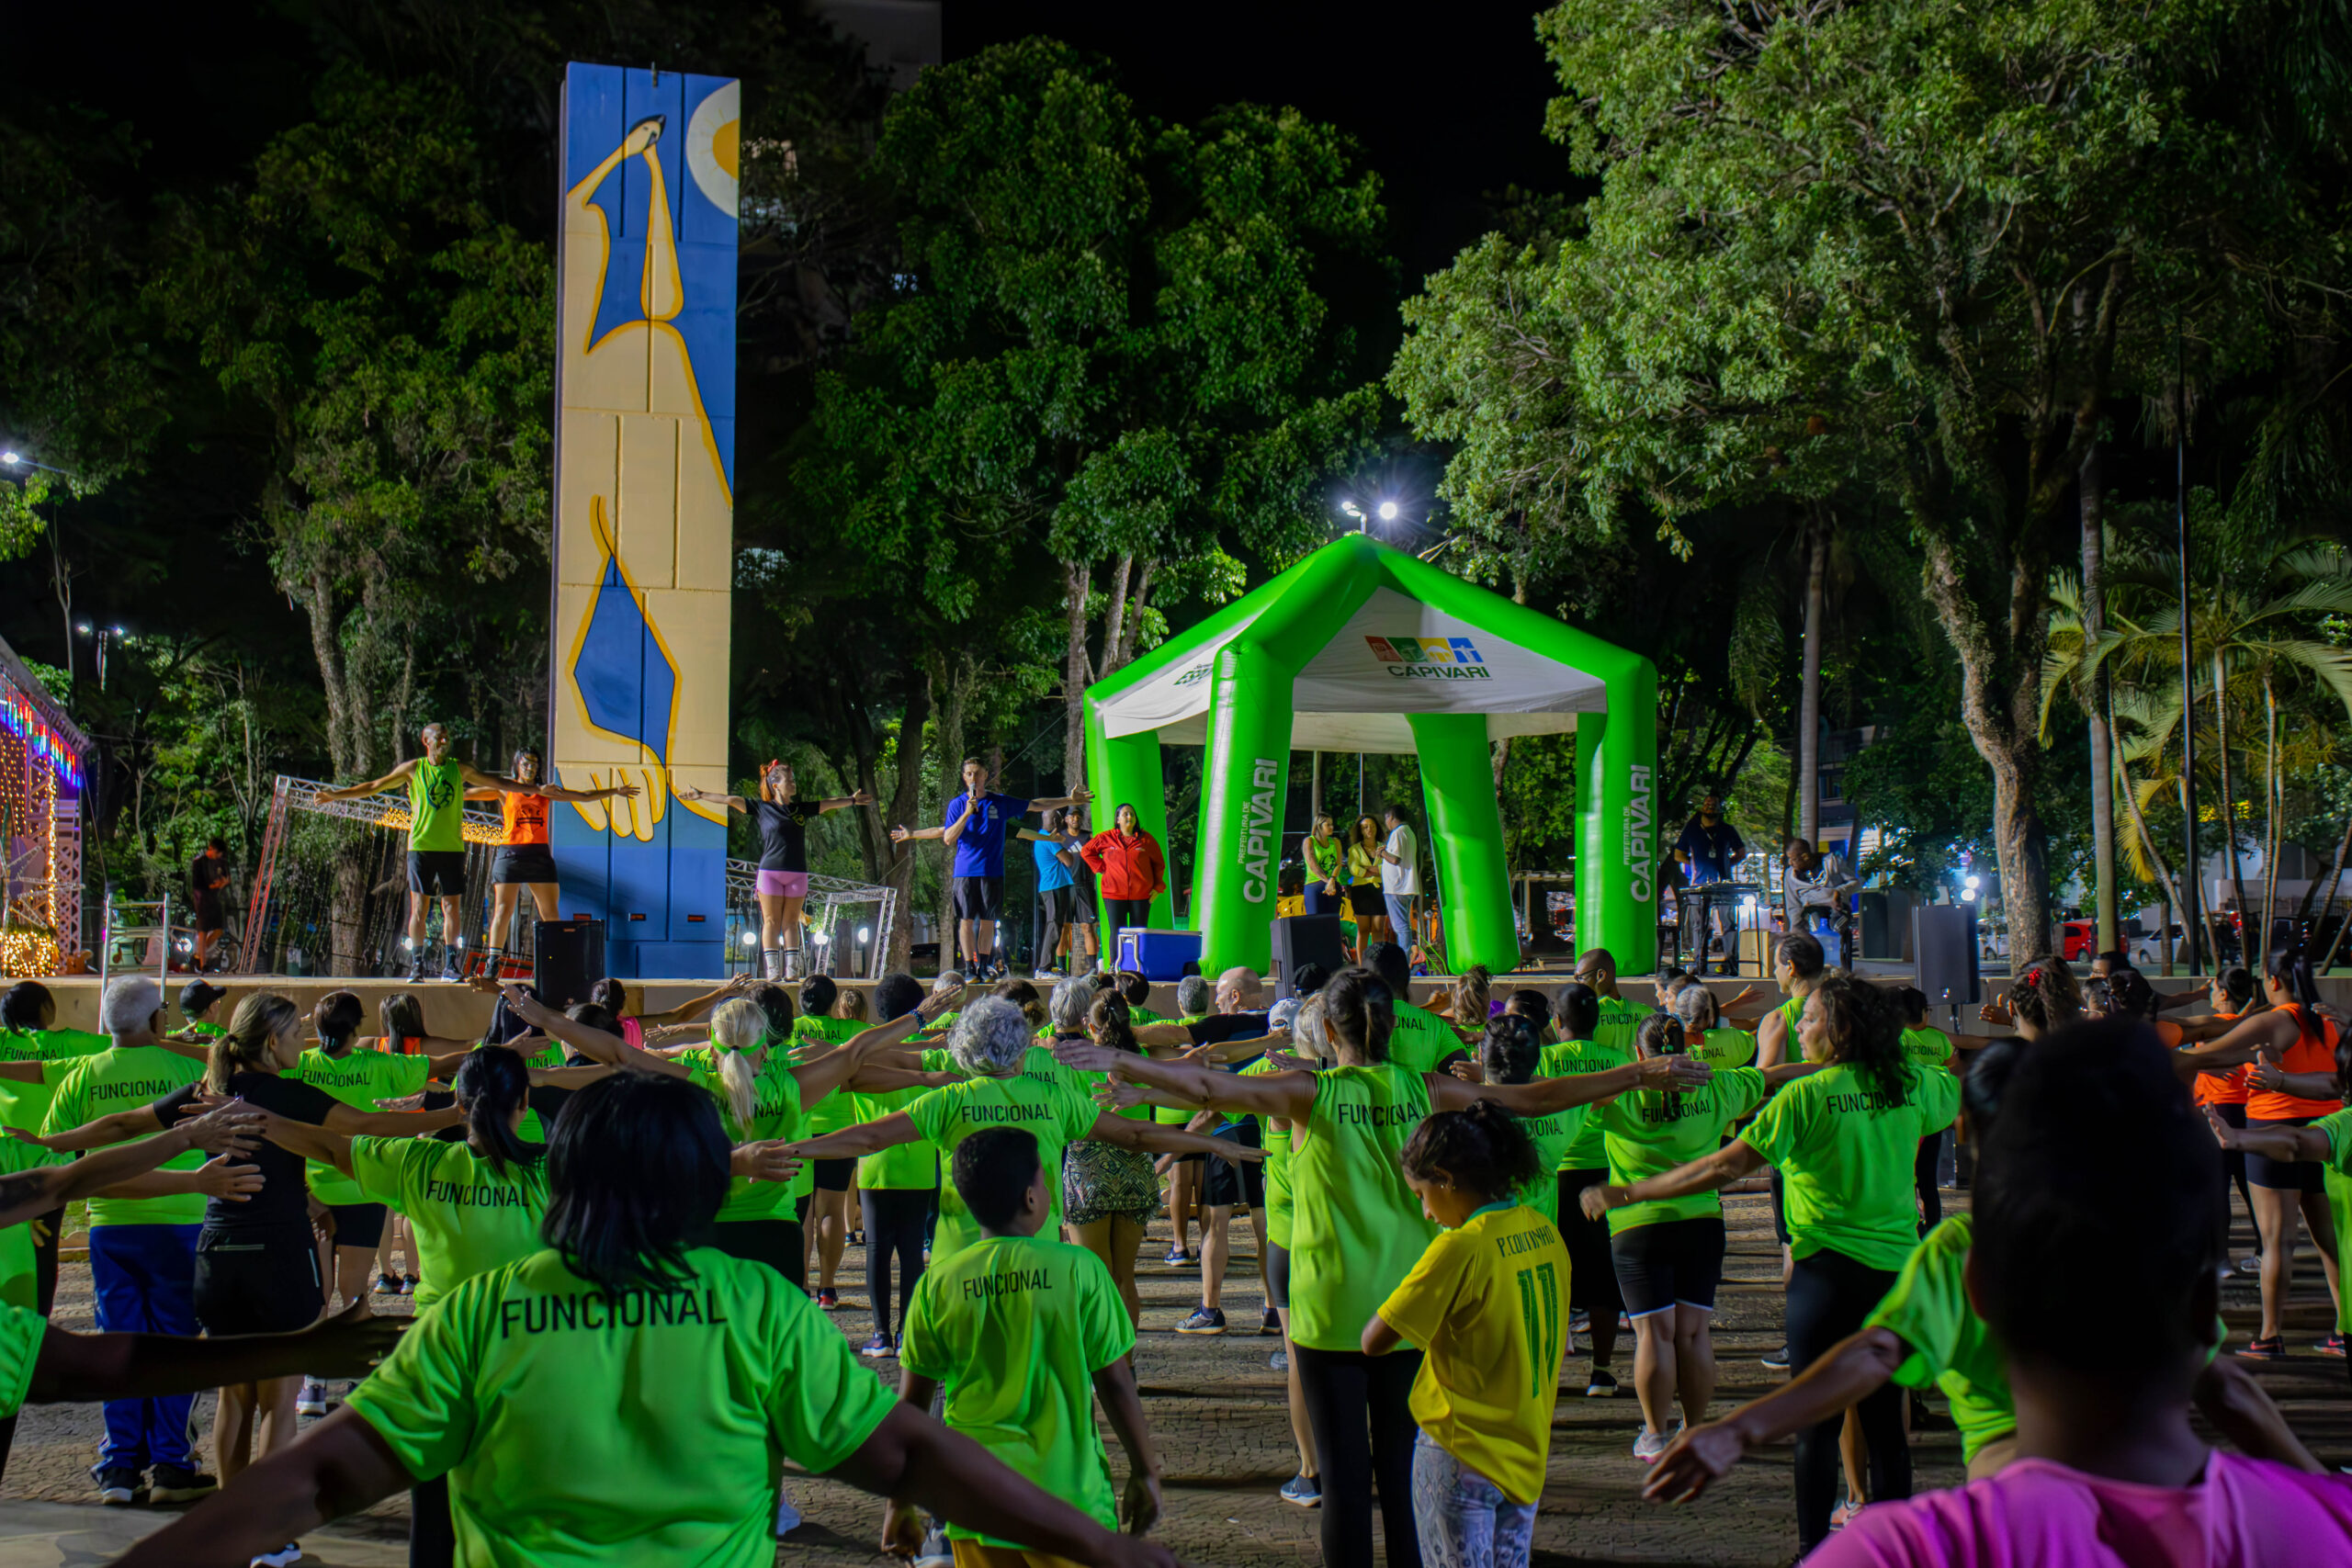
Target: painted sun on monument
{"points": [[645, 506]]}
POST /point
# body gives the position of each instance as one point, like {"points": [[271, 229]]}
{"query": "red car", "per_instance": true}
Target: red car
{"points": [[2078, 940]]}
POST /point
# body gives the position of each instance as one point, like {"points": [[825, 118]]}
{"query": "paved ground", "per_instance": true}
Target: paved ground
{"points": [[1218, 1408]]}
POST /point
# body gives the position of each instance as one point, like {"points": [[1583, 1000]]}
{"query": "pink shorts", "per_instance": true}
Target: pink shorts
{"points": [[783, 884]]}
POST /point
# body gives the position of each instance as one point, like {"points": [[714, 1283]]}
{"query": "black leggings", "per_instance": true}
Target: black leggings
{"points": [[777, 1242], [1923, 1177], [432, 1535], [2234, 1170], [895, 1219], [1830, 1294], [1359, 1407], [1592, 1267], [1117, 912]]}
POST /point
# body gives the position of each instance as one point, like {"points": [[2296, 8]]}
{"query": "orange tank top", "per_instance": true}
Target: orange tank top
{"points": [[2211, 1088], [2309, 1053], [526, 818]]}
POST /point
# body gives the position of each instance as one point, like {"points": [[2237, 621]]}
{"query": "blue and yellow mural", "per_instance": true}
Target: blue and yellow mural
{"points": [[645, 470]]}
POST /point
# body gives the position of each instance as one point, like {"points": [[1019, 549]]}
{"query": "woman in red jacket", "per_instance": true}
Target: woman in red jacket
{"points": [[1133, 871]]}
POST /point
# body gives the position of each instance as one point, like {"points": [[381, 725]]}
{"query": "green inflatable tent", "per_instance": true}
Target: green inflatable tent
{"points": [[1361, 647]]}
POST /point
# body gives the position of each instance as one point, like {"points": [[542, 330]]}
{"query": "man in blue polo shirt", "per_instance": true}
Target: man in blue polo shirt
{"points": [[973, 824]]}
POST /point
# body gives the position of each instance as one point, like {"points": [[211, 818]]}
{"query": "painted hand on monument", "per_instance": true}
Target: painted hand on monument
{"points": [[645, 547]]}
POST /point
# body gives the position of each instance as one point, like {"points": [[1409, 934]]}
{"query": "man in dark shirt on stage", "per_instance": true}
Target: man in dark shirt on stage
{"points": [[1707, 851]]}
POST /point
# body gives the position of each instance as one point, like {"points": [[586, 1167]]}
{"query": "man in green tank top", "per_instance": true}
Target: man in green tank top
{"points": [[437, 786]]}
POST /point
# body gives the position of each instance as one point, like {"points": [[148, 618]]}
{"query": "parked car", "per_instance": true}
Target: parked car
{"points": [[2078, 940], [2148, 947]]}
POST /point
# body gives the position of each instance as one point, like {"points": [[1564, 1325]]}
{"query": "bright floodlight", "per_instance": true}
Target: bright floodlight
{"points": [[84, 627], [865, 933], [1968, 896], [751, 939], [1975, 881], [1349, 507], [119, 631], [1388, 511], [12, 458]]}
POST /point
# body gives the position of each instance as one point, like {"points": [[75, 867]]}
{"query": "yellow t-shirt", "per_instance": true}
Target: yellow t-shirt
{"points": [[1490, 1302]]}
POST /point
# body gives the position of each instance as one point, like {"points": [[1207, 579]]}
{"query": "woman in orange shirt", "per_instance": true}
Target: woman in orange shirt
{"points": [[524, 860], [2293, 1036], [2231, 994]]}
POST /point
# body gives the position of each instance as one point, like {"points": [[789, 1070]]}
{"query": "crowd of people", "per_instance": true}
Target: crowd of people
{"points": [[628, 1232]]}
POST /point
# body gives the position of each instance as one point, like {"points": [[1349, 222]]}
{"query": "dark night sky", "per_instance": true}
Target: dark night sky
{"points": [[1448, 103]]}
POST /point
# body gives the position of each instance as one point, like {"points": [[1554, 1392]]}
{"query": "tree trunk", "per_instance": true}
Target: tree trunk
{"points": [[2102, 778], [1808, 781], [906, 805], [2000, 704], [2230, 811], [2164, 877], [1077, 672], [2272, 798]]}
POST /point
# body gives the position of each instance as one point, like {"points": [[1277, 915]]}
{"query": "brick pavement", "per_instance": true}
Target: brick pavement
{"points": [[1217, 1409]]}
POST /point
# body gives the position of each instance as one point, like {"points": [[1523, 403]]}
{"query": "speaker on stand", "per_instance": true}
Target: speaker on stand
{"points": [[1943, 943], [1300, 940], [567, 957]]}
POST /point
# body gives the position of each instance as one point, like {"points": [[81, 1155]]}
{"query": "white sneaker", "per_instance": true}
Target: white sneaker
{"points": [[787, 1517], [313, 1400], [1649, 1445], [1044, 974], [291, 1553]]}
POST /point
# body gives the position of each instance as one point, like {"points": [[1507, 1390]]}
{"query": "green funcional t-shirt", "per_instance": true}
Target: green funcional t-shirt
{"points": [[901, 1167], [1650, 1131], [1926, 1048], [1421, 1039], [129, 1078], [1553, 1136], [437, 804], [357, 1079], [19, 1269], [21, 1329], [1721, 1048], [1951, 1347], [777, 1115], [1016, 1328], [468, 1216], [1571, 1059], [1619, 1019], [26, 1105], [1057, 1113], [1846, 1154], [2336, 1175], [1276, 1143], [1356, 1228], [836, 1111], [578, 1427]]}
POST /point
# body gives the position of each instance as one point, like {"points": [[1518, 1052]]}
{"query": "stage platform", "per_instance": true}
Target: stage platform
{"points": [[458, 1013]]}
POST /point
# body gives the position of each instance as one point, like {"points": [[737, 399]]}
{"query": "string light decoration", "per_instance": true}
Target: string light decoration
{"points": [[42, 767]]}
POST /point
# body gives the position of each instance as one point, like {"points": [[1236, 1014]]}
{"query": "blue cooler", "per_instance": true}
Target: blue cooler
{"points": [[1158, 956]]}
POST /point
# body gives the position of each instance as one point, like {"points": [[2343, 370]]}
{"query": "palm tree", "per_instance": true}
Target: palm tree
{"points": [[2255, 607]]}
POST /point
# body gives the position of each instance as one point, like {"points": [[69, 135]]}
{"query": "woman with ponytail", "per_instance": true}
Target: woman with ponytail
{"points": [[361, 1078], [1846, 1137], [1668, 1255], [1358, 1229], [1486, 1305], [2294, 1038], [2046, 996]]}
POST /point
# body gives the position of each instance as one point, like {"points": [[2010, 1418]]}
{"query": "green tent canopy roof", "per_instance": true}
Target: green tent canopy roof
{"points": [[1371, 633]]}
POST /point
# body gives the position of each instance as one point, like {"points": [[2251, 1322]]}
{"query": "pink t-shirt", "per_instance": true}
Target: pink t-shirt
{"points": [[2247, 1512], [633, 1032]]}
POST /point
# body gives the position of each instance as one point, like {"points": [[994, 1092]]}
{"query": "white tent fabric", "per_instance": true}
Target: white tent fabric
{"points": [[1394, 655]]}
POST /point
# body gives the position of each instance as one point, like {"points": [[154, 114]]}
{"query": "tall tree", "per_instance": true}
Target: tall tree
{"points": [[1917, 247], [1120, 345]]}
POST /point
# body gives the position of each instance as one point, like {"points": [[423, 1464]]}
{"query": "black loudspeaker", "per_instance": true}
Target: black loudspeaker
{"points": [[1943, 941], [568, 956], [1304, 939]]}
